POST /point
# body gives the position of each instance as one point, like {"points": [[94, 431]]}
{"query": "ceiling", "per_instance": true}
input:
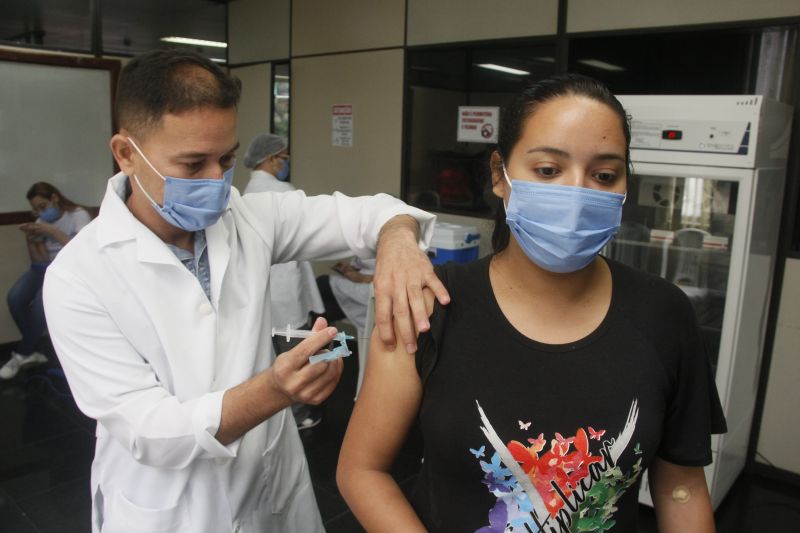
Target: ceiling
{"points": [[128, 27]]}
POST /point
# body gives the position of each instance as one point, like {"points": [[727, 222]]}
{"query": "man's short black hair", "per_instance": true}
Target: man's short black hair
{"points": [[170, 81]]}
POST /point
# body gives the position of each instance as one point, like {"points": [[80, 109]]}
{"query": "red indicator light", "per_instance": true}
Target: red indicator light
{"points": [[672, 135]]}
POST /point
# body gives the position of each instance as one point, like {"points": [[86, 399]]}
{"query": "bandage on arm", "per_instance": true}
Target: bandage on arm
{"points": [[680, 497]]}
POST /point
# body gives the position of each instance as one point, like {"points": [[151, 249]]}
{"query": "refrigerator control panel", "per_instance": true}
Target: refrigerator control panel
{"points": [[720, 137]]}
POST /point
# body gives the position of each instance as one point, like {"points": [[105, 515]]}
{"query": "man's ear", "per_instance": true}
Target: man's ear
{"points": [[499, 183], [122, 151]]}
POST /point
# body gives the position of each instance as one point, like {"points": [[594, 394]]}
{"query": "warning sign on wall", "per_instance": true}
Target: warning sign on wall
{"points": [[478, 124], [342, 125]]}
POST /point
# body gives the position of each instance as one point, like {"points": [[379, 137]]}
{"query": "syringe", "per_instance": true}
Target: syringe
{"points": [[290, 333]]}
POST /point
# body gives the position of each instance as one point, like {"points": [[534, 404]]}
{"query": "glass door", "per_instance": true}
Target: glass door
{"points": [[681, 228]]}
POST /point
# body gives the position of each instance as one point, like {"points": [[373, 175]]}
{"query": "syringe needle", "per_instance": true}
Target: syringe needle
{"points": [[290, 333]]}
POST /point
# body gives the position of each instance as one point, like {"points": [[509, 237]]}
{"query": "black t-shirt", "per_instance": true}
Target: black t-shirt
{"points": [[577, 423]]}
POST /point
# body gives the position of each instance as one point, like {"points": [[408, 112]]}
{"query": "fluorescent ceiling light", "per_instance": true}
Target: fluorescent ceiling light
{"points": [[218, 60], [281, 77], [596, 63], [501, 68], [546, 59], [196, 42]]}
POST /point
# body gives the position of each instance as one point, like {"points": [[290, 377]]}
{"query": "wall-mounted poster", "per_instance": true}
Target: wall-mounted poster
{"points": [[342, 125], [478, 124]]}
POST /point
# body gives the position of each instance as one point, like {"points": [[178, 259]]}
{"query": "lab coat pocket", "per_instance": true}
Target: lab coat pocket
{"points": [[123, 515], [285, 470]]}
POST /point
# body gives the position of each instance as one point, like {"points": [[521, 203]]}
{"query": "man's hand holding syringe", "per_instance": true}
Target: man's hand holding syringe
{"points": [[337, 353], [306, 373], [291, 378]]}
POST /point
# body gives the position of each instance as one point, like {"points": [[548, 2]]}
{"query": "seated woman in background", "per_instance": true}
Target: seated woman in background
{"points": [[556, 376], [58, 220]]}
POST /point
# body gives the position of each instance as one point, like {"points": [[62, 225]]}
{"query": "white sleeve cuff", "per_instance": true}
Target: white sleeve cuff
{"points": [[205, 421], [426, 221]]}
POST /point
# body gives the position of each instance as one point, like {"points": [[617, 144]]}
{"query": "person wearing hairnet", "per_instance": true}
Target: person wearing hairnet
{"points": [[293, 289], [268, 158]]}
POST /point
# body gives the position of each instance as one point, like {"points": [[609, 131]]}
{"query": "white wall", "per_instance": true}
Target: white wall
{"points": [[13, 262], [253, 114], [372, 82], [449, 21], [258, 31], [323, 26], [780, 425]]}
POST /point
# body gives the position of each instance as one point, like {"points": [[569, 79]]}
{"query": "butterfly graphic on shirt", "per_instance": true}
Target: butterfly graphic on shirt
{"points": [[479, 452], [537, 444], [557, 470], [498, 518], [495, 467], [596, 434]]}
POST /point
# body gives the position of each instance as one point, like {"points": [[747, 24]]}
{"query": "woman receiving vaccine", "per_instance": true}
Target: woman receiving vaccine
{"points": [[556, 376], [58, 219]]}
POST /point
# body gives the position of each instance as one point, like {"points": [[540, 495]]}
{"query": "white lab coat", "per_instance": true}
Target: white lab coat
{"points": [[149, 357], [351, 296], [292, 285]]}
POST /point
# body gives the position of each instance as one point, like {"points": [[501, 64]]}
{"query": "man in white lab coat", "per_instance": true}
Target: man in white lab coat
{"points": [[159, 311]]}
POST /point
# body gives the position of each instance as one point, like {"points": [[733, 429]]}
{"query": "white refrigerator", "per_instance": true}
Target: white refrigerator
{"points": [[703, 211]]}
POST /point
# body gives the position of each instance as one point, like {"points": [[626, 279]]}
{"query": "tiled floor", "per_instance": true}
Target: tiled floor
{"points": [[46, 448]]}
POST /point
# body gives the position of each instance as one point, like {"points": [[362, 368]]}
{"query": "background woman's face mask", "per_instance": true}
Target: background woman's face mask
{"points": [[283, 173], [190, 204], [50, 214], [561, 228]]}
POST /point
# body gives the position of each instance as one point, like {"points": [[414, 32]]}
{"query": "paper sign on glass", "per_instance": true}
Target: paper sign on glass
{"points": [[478, 124]]}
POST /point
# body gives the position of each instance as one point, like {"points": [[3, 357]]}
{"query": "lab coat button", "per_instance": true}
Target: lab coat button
{"points": [[221, 461], [236, 527], [206, 309]]}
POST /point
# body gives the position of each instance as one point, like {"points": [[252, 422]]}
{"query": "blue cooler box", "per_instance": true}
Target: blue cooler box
{"points": [[453, 242]]}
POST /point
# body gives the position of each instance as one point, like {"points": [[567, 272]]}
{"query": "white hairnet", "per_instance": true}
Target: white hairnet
{"points": [[263, 146]]}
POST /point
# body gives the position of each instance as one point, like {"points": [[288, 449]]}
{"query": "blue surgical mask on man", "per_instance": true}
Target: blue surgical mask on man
{"points": [[283, 173], [561, 228], [190, 204], [50, 214]]}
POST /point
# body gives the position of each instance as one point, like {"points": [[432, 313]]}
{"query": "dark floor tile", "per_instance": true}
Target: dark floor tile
{"points": [[331, 505], [322, 466], [67, 406], [27, 417], [346, 523], [63, 509], [325, 435], [758, 504], [12, 519], [45, 464]]}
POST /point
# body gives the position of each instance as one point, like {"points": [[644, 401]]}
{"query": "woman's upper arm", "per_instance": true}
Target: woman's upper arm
{"points": [[680, 497], [387, 405]]}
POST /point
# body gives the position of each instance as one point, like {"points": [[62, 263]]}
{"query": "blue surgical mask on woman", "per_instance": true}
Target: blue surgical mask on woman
{"points": [[283, 173], [190, 204], [561, 228], [50, 214]]}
